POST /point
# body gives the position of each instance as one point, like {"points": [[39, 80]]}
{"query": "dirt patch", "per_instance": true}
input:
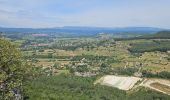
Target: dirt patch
{"points": [[161, 87]]}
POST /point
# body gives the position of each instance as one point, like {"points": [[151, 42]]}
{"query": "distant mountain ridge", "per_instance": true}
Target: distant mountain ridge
{"points": [[77, 30]]}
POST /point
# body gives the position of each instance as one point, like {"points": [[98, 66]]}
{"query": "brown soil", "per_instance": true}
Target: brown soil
{"points": [[161, 87]]}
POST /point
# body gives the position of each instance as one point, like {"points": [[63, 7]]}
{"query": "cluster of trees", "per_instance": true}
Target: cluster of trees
{"points": [[105, 68], [13, 72], [72, 45], [162, 46], [125, 71], [155, 45], [81, 68], [163, 74], [85, 45], [89, 62], [131, 70], [107, 42], [159, 35], [48, 55], [94, 58]]}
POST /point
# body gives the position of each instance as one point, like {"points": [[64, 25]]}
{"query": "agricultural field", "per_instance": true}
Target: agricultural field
{"points": [[101, 54]]}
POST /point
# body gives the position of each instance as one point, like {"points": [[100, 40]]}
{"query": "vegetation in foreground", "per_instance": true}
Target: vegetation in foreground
{"points": [[68, 87]]}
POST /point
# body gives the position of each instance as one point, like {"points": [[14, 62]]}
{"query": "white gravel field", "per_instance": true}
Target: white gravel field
{"points": [[120, 82]]}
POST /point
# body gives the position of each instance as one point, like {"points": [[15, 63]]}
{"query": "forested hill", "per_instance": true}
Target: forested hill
{"points": [[158, 35]]}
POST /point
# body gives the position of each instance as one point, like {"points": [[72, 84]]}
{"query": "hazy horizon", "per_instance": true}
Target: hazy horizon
{"points": [[87, 27], [86, 13]]}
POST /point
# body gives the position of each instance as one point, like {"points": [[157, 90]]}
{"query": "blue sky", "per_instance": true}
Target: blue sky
{"points": [[99, 13]]}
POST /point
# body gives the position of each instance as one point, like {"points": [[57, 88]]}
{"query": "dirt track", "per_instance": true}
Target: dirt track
{"points": [[159, 85]]}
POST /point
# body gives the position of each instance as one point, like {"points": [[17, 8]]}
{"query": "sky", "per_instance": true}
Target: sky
{"points": [[97, 13]]}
